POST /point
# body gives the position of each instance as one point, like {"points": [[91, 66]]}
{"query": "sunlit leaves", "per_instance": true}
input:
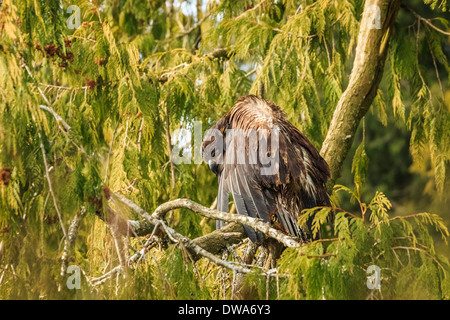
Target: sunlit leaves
{"points": [[359, 166], [402, 246]]}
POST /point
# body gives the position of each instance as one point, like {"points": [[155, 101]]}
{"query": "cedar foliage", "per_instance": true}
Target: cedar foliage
{"points": [[135, 70]]}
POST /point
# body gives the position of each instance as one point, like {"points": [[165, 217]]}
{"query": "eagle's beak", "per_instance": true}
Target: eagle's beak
{"points": [[213, 166]]}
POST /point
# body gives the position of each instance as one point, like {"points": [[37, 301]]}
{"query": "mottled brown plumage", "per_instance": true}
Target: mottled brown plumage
{"points": [[298, 181]]}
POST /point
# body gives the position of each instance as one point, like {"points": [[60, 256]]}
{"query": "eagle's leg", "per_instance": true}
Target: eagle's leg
{"points": [[275, 249], [276, 222]]}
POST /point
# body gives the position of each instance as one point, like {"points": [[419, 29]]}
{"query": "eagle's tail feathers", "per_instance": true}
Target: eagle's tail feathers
{"points": [[258, 203], [288, 223]]}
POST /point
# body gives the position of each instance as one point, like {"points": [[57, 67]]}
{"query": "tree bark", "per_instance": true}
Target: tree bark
{"points": [[256, 224], [214, 242], [370, 56]]}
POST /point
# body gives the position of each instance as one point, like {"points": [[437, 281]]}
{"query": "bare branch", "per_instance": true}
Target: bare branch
{"points": [[218, 240], [140, 135], [178, 238], [197, 25], [52, 86], [421, 250], [169, 147], [50, 186], [427, 21], [99, 280], [119, 245], [58, 118], [70, 240], [155, 218]]}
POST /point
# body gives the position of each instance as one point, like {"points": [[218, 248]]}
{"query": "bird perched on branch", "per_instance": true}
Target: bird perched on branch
{"points": [[271, 169]]}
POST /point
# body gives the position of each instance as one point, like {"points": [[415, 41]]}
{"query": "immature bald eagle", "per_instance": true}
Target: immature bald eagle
{"points": [[271, 169]]}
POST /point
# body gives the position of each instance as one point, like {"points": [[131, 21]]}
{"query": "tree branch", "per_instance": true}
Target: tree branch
{"points": [[189, 244], [70, 240], [169, 147], [218, 240], [214, 242], [257, 224], [427, 21]]}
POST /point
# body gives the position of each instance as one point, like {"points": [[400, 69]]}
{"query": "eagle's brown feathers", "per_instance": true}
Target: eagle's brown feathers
{"points": [[299, 178]]}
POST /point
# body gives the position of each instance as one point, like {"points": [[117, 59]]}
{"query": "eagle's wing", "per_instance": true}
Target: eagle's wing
{"points": [[248, 197]]}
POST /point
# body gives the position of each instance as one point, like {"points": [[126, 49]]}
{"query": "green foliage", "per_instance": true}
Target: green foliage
{"points": [[359, 166]]}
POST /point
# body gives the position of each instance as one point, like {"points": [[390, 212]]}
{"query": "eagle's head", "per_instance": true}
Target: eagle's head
{"points": [[213, 146]]}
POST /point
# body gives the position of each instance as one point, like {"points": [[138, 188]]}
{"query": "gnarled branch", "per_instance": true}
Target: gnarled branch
{"points": [[257, 224]]}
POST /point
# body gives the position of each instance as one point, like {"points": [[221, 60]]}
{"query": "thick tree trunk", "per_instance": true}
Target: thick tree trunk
{"points": [[373, 41]]}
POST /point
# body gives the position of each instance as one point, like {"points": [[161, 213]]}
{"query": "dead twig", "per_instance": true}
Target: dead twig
{"points": [[70, 240], [47, 175]]}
